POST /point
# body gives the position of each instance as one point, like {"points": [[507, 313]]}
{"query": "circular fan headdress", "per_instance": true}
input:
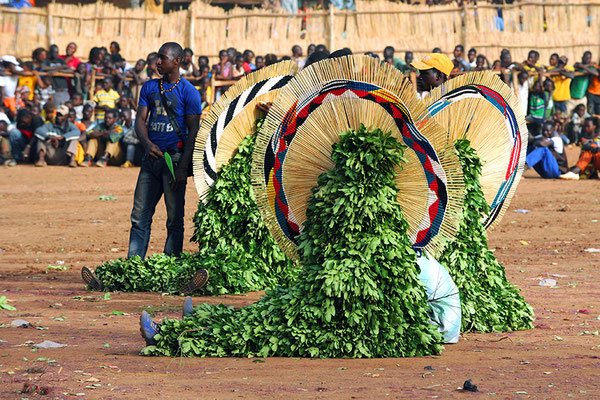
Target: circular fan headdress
{"points": [[333, 96], [232, 118], [479, 107]]}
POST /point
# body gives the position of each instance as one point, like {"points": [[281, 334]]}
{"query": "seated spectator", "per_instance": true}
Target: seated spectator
{"points": [[86, 121], [105, 139], [54, 64], [459, 63], [70, 58], [187, 69], [131, 142], [105, 99], [6, 157], [78, 105], [49, 111], [580, 84], [547, 155], [57, 141], [562, 84], [588, 164], [126, 102], [21, 138], [248, 58], [574, 126]]}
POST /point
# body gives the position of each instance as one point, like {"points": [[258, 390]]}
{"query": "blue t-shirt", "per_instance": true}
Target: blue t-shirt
{"points": [[183, 100]]}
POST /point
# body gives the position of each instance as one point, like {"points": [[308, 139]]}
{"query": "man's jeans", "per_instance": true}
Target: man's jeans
{"points": [[152, 182], [18, 142]]}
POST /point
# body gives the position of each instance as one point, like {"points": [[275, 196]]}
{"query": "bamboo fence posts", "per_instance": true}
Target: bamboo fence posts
{"points": [[566, 27]]}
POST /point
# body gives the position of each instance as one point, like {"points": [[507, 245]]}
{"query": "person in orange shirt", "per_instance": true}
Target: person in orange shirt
{"points": [[593, 92]]}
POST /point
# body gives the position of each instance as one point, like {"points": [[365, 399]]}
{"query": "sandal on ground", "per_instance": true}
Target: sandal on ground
{"points": [[196, 283], [91, 280]]}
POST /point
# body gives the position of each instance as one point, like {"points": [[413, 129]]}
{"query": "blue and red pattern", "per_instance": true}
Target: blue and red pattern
{"points": [[327, 92], [496, 100]]}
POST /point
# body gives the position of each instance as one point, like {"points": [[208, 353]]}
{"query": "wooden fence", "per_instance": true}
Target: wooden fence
{"points": [[567, 27]]}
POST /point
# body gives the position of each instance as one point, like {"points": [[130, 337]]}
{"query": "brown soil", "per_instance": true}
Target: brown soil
{"points": [[53, 215]]}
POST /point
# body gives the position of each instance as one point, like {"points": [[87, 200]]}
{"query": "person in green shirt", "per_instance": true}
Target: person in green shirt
{"points": [[579, 84], [388, 54], [536, 108]]}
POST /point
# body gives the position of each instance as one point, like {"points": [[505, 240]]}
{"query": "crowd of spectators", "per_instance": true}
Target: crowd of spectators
{"points": [[53, 112]]}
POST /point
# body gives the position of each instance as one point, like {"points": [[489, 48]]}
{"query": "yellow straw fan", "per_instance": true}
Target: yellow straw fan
{"points": [[328, 98], [479, 107], [232, 118]]}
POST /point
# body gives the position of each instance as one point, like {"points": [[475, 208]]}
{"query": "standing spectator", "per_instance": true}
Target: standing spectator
{"points": [[78, 105], [54, 64], [105, 139], [38, 56], [10, 82], [482, 63], [408, 59], [105, 99], [114, 48], [130, 139], [472, 58], [248, 58], [21, 138], [187, 67], [297, 54], [260, 62], [70, 58], [549, 91], [536, 112], [548, 156], [160, 133], [562, 84], [139, 76], [44, 92], [388, 54], [151, 66], [523, 90], [80, 84], [459, 63], [238, 68], [29, 78], [593, 92], [95, 60], [223, 71], [579, 84], [532, 66], [57, 141]]}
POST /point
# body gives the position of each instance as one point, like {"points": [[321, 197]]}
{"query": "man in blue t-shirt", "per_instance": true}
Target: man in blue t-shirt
{"points": [[158, 136]]}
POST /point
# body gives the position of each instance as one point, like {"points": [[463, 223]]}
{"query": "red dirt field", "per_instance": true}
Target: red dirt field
{"points": [[53, 215]]}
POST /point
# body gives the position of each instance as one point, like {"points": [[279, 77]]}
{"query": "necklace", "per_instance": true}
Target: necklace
{"points": [[168, 90]]}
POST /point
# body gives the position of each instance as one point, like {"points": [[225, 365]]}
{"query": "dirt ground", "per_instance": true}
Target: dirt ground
{"points": [[53, 216]]}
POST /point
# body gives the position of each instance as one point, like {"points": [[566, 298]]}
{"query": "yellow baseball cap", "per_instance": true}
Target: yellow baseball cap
{"points": [[439, 61]]}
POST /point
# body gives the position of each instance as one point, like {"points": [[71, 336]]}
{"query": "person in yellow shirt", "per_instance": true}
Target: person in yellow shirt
{"points": [[532, 66], [562, 84], [105, 98]]}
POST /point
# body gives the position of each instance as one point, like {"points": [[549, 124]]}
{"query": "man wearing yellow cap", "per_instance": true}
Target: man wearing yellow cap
{"points": [[434, 70]]}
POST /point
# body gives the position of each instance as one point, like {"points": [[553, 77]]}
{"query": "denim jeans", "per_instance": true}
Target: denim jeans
{"points": [[153, 182], [18, 142]]}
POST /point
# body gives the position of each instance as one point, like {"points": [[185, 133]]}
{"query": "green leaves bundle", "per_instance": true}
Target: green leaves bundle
{"points": [[234, 243], [489, 302], [357, 295]]}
